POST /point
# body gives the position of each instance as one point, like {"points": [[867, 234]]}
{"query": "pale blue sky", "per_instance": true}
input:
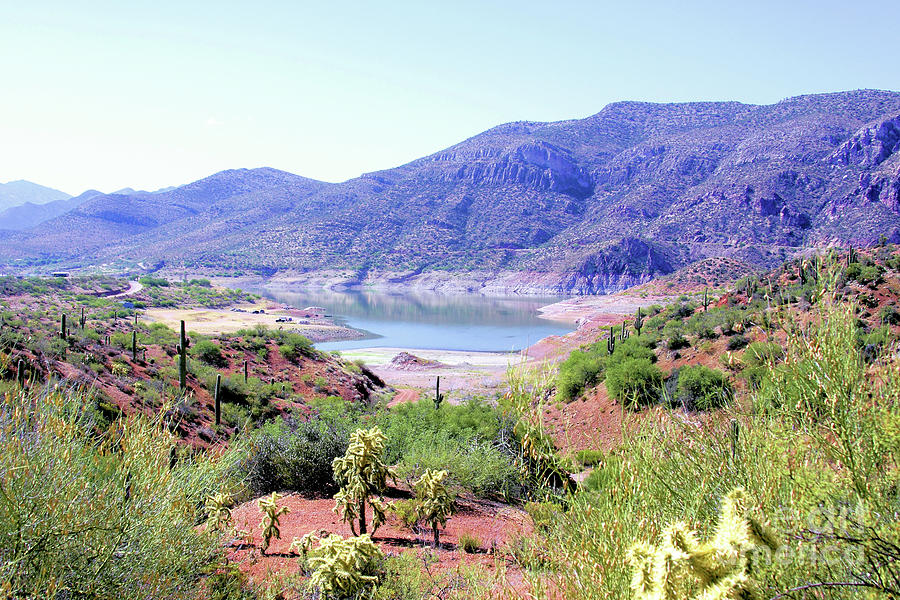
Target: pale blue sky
{"points": [[150, 94]]}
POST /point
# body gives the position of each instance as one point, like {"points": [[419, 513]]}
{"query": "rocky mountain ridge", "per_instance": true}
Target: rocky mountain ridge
{"points": [[583, 206]]}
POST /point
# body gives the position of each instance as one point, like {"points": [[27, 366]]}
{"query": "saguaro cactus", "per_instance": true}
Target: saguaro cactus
{"points": [[82, 320], [735, 439], [705, 299], [62, 326], [216, 398], [245, 371], [20, 372], [182, 361], [134, 346], [611, 342], [438, 398], [638, 321]]}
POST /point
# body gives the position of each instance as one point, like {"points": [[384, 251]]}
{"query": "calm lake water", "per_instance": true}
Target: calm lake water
{"points": [[432, 321]]}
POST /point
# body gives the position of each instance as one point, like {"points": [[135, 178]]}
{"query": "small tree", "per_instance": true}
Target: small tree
{"points": [[434, 504], [271, 514], [361, 475]]}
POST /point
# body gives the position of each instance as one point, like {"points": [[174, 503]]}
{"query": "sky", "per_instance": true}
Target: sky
{"points": [[107, 95]]}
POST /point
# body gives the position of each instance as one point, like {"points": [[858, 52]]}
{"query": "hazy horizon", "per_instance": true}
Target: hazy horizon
{"points": [[107, 96]]}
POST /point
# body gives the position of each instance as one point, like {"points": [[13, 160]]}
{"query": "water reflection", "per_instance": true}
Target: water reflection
{"points": [[434, 321]]}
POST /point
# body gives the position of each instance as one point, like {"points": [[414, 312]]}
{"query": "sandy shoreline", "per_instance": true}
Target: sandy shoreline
{"points": [[211, 321]]}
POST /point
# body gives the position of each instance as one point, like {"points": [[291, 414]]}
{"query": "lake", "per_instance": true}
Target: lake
{"points": [[430, 321]]}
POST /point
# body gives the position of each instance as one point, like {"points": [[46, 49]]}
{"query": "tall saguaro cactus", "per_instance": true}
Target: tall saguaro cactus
{"points": [[438, 398], [611, 342], [82, 320], [216, 399], [62, 326], [638, 321], [134, 346], [182, 361]]}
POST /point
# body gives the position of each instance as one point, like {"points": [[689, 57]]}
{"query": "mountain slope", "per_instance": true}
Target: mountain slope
{"points": [[589, 205], [16, 193], [28, 215]]}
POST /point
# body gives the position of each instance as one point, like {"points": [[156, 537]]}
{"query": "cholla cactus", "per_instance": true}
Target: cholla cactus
{"points": [[271, 514], [344, 568], [303, 545], [218, 508], [434, 502], [362, 475], [717, 569]]}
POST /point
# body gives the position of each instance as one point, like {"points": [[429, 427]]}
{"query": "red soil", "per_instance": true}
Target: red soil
{"points": [[492, 523]]}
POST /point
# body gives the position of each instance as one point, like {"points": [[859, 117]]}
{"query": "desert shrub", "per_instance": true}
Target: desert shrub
{"points": [[106, 517], [703, 388], [889, 316], [737, 342], [579, 371], [152, 282], [635, 382], [632, 348], [469, 542], [160, 334], [589, 458], [406, 424], [677, 341], [209, 352], [476, 466], [762, 353], [284, 455]]}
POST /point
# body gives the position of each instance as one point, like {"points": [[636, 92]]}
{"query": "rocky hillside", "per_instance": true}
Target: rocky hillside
{"points": [[586, 206]]}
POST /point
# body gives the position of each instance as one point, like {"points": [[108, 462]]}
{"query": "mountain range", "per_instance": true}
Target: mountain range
{"points": [[585, 206], [16, 193]]}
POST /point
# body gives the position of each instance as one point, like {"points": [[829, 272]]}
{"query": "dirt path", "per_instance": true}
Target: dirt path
{"points": [[133, 288]]}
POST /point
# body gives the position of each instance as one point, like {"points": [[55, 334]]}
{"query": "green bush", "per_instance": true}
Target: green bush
{"points": [[209, 352], [759, 354], [703, 388], [106, 518], [677, 341], [737, 342], [293, 456], [635, 382], [579, 371], [633, 347]]}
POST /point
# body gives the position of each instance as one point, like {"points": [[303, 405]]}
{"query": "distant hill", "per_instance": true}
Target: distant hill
{"points": [[16, 193], [585, 206], [30, 215]]}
